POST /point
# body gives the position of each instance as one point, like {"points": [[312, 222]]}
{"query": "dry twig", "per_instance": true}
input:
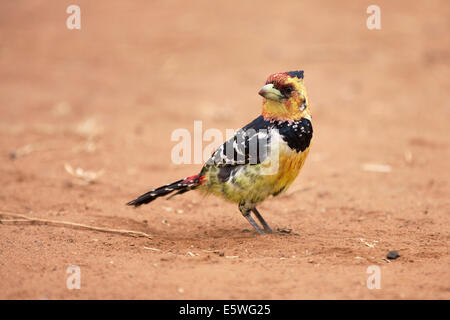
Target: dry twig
{"points": [[19, 219]]}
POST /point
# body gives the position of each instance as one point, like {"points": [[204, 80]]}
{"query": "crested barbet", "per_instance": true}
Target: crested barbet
{"points": [[262, 159]]}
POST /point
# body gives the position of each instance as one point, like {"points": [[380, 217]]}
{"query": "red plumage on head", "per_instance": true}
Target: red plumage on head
{"points": [[277, 78]]}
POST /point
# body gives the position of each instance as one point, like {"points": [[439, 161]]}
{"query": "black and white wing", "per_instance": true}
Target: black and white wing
{"points": [[249, 145]]}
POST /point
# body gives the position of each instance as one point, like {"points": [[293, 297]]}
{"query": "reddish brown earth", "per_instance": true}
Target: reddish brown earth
{"points": [[107, 97]]}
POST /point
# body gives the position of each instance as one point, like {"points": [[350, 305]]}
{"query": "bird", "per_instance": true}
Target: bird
{"points": [[261, 159]]}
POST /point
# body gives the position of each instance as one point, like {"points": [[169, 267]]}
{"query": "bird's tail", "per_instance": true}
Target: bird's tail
{"points": [[180, 186]]}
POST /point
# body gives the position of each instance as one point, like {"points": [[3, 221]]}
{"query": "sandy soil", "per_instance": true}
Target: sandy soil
{"points": [[108, 97]]}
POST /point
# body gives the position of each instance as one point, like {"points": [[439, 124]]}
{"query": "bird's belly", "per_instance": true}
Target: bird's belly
{"points": [[290, 164], [254, 183]]}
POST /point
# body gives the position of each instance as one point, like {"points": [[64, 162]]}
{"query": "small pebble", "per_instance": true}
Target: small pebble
{"points": [[284, 230], [392, 255]]}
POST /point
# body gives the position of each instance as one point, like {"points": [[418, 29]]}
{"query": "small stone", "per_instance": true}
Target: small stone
{"points": [[392, 255], [68, 184], [284, 230]]}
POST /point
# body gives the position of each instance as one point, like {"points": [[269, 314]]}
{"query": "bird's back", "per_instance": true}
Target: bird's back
{"points": [[261, 159]]}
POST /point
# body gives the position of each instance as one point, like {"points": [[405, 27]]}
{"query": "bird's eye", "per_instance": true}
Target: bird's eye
{"points": [[287, 90]]}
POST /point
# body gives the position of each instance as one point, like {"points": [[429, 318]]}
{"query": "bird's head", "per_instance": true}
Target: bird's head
{"points": [[285, 97]]}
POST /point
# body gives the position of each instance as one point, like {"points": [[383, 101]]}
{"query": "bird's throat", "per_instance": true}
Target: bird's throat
{"points": [[282, 111]]}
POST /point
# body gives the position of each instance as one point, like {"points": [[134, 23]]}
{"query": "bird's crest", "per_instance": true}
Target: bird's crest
{"points": [[298, 74]]}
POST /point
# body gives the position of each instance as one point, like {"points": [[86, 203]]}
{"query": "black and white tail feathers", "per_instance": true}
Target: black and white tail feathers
{"points": [[181, 186]]}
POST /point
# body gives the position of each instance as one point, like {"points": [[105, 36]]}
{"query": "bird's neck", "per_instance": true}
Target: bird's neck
{"points": [[276, 111]]}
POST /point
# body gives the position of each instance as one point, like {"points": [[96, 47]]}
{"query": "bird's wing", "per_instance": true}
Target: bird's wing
{"points": [[249, 145]]}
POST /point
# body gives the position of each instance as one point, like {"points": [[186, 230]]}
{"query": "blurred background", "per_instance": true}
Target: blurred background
{"points": [[86, 118]]}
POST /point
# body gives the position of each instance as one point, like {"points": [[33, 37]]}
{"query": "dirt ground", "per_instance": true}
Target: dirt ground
{"points": [[107, 98]]}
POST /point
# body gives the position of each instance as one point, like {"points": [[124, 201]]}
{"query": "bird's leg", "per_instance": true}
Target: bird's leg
{"points": [[246, 213], [253, 222], [263, 222]]}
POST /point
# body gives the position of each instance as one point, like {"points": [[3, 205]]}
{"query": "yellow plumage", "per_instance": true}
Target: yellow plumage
{"points": [[251, 184]]}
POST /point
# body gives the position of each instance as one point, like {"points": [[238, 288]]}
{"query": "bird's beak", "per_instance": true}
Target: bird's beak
{"points": [[270, 92]]}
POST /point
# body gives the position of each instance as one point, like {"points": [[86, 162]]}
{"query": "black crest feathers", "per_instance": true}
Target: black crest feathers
{"points": [[298, 74]]}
